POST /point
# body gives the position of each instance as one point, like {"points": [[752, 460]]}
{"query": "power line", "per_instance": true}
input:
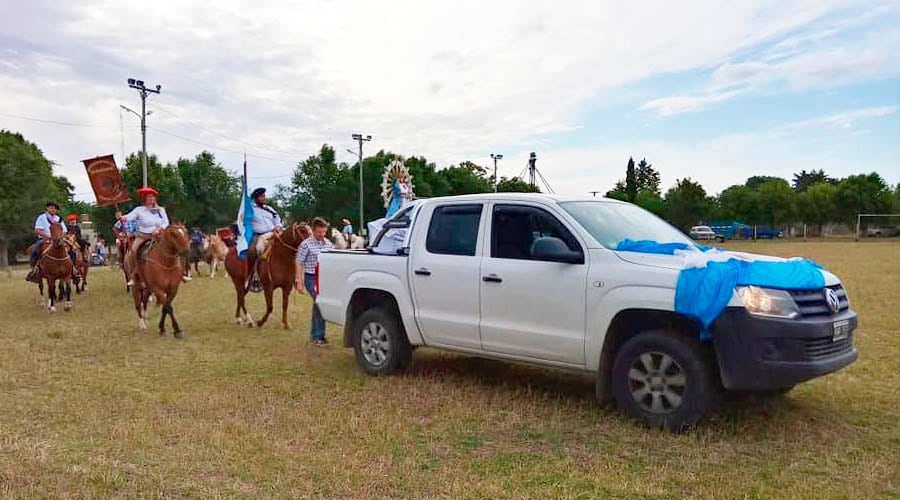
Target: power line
{"points": [[54, 122], [201, 127], [188, 139]]}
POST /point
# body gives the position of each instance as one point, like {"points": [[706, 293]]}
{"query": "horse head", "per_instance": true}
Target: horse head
{"points": [[57, 234], [175, 239], [296, 233]]}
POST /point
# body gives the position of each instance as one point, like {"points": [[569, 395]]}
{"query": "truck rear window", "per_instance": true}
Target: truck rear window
{"points": [[454, 230]]}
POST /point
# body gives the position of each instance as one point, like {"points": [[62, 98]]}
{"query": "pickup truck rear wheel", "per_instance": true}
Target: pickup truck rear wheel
{"points": [[664, 380], [380, 344]]}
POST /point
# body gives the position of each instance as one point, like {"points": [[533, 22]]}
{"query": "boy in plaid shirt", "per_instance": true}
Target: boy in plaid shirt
{"points": [[306, 261]]}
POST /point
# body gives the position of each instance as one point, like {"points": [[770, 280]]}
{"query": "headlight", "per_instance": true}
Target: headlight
{"points": [[768, 302]]}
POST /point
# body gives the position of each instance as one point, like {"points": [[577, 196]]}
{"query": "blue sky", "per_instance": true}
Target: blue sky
{"points": [[712, 91]]}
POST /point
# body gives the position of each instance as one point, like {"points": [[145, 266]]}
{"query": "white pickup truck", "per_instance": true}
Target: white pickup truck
{"points": [[536, 279]]}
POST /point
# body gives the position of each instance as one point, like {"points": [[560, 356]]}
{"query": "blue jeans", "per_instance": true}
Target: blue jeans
{"points": [[317, 323]]}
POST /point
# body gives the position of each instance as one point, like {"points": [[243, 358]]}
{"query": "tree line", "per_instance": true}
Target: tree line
{"points": [[202, 193], [811, 197]]}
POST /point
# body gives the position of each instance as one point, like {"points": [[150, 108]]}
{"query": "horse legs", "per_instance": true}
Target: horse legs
{"points": [[285, 297], [51, 292], [179, 334], [212, 267], [65, 289], [140, 306], [269, 291]]}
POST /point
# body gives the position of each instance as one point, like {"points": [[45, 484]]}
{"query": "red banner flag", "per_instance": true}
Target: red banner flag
{"points": [[109, 188]]}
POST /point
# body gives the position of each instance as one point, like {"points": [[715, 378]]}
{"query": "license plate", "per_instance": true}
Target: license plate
{"points": [[841, 330]]}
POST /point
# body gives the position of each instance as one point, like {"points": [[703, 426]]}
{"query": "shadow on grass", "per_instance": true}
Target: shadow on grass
{"points": [[737, 414]]}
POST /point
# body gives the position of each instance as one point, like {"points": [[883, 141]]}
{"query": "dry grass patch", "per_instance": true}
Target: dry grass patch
{"points": [[91, 407]]}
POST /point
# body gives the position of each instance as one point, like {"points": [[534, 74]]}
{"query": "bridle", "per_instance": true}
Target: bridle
{"points": [[295, 227]]}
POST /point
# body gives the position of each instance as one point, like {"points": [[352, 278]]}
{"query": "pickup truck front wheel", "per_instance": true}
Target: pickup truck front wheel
{"points": [[664, 380], [380, 345]]}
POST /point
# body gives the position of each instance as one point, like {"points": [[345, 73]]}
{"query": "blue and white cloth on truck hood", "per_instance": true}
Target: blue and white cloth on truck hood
{"points": [[709, 276]]}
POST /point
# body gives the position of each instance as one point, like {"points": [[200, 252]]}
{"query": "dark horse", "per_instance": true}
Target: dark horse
{"points": [[160, 273], [55, 265], [276, 271], [123, 246]]}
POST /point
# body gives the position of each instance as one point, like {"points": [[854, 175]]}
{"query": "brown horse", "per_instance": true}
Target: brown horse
{"points": [[276, 271], [55, 265], [160, 274], [81, 264]]}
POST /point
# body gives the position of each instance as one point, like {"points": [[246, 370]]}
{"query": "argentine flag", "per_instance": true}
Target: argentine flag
{"points": [[245, 220]]}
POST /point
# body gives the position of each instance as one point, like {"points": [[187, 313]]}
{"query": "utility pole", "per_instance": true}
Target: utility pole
{"points": [[361, 139], [496, 157], [144, 92]]}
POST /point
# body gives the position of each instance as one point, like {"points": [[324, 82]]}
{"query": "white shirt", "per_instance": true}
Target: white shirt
{"points": [[44, 220], [148, 219], [265, 219]]}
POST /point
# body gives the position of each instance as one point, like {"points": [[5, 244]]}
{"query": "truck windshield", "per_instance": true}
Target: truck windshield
{"points": [[610, 223]]}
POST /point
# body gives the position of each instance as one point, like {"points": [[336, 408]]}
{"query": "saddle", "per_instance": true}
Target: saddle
{"points": [[264, 245], [144, 250]]}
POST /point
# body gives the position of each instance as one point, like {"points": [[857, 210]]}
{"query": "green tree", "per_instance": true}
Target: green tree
{"points": [[861, 194], [758, 180], [631, 185], [776, 199], [467, 178], [26, 184], [515, 185], [647, 178], [212, 194], [803, 180], [739, 203], [618, 192], [652, 202], [686, 204], [816, 205]]}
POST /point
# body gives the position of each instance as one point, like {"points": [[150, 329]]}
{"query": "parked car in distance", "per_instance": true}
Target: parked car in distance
{"points": [[762, 233], [705, 233], [879, 231]]}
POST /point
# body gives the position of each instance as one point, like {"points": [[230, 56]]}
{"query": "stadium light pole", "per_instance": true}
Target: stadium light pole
{"points": [[496, 157], [144, 92], [360, 138]]}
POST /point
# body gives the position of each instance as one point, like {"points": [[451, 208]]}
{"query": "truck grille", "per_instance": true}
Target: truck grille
{"points": [[824, 347], [812, 302]]}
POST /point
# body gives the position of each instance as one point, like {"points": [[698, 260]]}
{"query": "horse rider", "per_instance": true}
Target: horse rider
{"points": [[75, 229], [266, 223], [151, 219], [347, 231], [42, 230]]}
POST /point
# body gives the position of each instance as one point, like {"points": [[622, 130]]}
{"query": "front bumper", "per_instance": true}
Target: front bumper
{"points": [[756, 353]]}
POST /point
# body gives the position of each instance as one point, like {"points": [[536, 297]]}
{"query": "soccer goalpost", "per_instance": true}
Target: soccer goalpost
{"points": [[891, 227]]}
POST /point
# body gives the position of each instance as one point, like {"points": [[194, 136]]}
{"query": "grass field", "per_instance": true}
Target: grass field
{"points": [[91, 407]]}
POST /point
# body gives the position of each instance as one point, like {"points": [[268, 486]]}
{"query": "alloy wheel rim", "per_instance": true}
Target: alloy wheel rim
{"points": [[375, 344], [657, 382]]}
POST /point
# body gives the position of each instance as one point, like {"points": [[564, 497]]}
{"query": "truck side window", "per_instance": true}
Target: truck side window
{"points": [[454, 230], [515, 228]]}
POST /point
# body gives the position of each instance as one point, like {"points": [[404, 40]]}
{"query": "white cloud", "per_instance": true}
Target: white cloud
{"points": [[451, 81]]}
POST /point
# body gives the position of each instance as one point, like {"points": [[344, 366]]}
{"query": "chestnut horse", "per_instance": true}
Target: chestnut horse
{"points": [[160, 274], [276, 271], [55, 265], [81, 264]]}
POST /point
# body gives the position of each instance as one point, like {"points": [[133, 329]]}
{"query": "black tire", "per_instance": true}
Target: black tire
{"points": [[380, 344], [675, 398]]}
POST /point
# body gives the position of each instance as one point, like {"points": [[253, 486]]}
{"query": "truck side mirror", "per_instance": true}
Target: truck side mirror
{"points": [[554, 250]]}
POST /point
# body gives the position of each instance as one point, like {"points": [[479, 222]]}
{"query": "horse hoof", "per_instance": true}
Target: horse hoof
{"points": [[179, 335], [162, 333], [287, 326], [53, 309]]}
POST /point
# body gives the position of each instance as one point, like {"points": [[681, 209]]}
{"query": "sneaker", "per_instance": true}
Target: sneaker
{"points": [[255, 286], [186, 278], [319, 342], [130, 282]]}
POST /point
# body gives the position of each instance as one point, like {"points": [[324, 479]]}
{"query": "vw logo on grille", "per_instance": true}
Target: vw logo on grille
{"points": [[831, 298]]}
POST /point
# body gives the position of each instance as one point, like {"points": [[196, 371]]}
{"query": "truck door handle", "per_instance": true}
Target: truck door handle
{"points": [[492, 278], [422, 272]]}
